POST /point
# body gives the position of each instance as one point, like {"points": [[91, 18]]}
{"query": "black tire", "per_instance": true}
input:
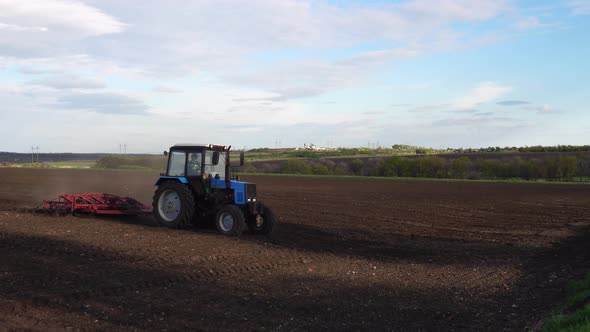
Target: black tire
{"points": [[230, 220], [173, 204], [262, 223]]}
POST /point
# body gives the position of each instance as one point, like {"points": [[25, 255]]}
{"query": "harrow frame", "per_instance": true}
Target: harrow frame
{"points": [[94, 203]]}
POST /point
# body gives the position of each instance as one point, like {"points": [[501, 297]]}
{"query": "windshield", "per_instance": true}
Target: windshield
{"points": [[176, 164]]}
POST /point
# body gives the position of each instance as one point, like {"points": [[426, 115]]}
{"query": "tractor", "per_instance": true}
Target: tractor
{"points": [[198, 185]]}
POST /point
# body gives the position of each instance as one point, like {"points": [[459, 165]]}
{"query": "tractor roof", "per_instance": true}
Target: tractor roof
{"points": [[192, 145]]}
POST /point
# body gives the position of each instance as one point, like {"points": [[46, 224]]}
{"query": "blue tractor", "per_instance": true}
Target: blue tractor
{"points": [[197, 185]]}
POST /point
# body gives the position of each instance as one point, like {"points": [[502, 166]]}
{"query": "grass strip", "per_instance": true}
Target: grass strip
{"points": [[574, 314]]}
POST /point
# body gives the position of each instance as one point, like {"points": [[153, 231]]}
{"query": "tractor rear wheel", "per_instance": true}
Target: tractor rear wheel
{"points": [[262, 223], [173, 204], [230, 220]]}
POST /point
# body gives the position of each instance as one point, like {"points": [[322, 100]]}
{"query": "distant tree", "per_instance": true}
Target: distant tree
{"points": [[296, 166], [390, 167], [439, 167], [320, 170], [552, 168], [568, 165], [111, 162], [460, 167], [431, 167], [356, 166], [339, 170]]}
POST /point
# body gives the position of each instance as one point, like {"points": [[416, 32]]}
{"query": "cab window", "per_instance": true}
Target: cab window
{"points": [[214, 171], [193, 167], [176, 163]]}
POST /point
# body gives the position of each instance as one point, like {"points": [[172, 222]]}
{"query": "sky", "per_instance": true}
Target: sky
{"points": [[87, 76]]}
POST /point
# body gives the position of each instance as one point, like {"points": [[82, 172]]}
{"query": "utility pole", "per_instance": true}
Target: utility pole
{"points": [[37, 154], [32, 155], [125, 148]]}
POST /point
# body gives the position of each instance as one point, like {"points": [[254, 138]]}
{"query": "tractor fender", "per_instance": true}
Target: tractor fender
{"points": [[180, 179]]}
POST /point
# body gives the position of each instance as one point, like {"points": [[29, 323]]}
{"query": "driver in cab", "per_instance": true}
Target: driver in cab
{"points": [[194, 164]]}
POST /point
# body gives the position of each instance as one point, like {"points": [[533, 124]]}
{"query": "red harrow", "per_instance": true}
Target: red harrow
{"points": [[94, 203]]}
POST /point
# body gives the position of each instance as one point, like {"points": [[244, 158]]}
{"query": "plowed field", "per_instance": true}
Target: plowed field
{"points": [[348, 254]]}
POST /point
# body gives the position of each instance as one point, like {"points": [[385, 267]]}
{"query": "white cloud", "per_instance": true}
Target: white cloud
{"points": [[429, 108], [17, 28], [481, 120], [40, 28], [166, 89], [59, 14], [462, 10], [541, 109], [512, 102], [530, 23], [579, 7], [103, 102], [183, 38], [482, 93], [69, 82], [217, 36]]}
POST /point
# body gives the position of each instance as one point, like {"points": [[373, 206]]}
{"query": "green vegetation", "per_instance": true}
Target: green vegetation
{"points": [[574, 314], [284, 154], [545, 168], [124, 162], [536, 148], [294, 166], [562, 168], [72, 164]]}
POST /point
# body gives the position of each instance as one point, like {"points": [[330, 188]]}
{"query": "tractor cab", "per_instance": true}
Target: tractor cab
{"points": [[204, 161], [198, 166], [197, 183]]}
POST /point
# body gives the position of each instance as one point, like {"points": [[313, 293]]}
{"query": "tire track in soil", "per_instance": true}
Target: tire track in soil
{"points": [[139, 255], [286, 258], [222, 268], [483, 213], [422, 225], [211, 275]]}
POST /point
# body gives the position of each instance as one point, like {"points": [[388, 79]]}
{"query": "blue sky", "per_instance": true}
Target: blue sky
{"points": [[86, 76]]}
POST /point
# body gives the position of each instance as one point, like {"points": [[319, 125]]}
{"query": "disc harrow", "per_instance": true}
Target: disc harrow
{"points": [[94, 203]]}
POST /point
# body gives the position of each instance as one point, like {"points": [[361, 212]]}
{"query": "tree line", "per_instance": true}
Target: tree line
{"points": [[563, 168], [551, 168], [535, 148]]}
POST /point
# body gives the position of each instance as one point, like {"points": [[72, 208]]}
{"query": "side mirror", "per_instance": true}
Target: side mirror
{"points": [[242, 158], [215, 159], [165, 153]]}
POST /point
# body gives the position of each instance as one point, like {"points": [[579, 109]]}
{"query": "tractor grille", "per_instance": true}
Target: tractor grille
{"points": [[251, 192], [240, 196]]}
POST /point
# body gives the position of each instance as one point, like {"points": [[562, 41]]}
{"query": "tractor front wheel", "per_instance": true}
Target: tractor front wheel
{"points": [[230, 220], [262, 223], [173, 204]]}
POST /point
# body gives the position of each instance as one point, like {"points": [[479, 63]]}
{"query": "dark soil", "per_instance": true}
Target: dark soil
{"points": [[346, 255]]}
